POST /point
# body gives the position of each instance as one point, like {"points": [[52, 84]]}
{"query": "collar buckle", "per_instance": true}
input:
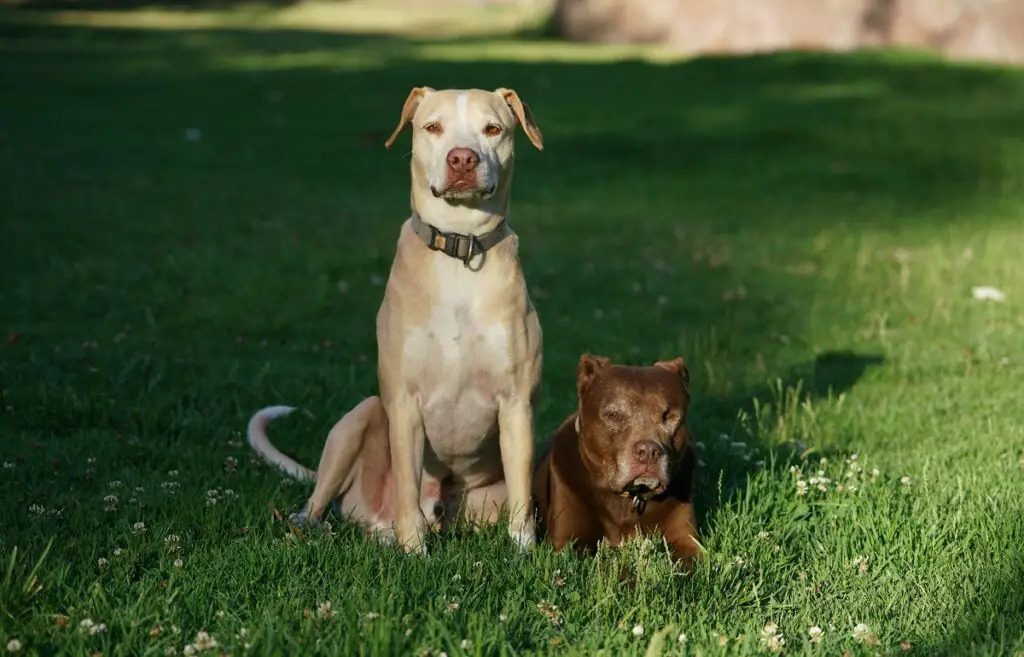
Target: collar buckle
{"points": [[450, 243]]}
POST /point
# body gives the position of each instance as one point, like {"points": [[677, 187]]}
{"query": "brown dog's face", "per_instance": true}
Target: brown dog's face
{"points": [[632, 423]]}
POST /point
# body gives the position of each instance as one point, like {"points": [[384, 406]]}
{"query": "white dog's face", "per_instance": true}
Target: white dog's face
{"points": [[463, 143]]}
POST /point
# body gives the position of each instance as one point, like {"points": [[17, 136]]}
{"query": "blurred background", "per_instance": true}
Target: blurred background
{"points": [[991, 30]]}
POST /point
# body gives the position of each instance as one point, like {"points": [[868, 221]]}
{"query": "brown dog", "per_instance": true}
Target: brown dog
{"points": [[623, 462]]}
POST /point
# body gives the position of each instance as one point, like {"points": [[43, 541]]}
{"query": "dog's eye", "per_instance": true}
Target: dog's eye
{"points": [[669, 417], [433, 128], [613, 416], [492, 130]]}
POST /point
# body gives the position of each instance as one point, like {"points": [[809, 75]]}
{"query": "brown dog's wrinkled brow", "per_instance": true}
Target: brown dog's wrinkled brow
{"points": [[412, 103], [523, 114]]}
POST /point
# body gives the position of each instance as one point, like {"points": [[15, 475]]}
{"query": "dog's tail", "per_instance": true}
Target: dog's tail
{"points": [[261, 444]]}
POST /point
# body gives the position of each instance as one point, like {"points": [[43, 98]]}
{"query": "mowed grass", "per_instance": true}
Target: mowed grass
{"points": [[198, 222]]}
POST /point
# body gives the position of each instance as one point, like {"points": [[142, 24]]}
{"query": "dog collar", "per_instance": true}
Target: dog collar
{"points": [[456, 245]]}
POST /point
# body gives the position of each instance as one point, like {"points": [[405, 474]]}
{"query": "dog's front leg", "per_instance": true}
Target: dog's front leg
{"points": [[407, 441], [515, 430]]}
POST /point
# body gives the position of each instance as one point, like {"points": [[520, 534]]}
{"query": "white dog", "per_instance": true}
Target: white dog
{"points": [[459, 343]]}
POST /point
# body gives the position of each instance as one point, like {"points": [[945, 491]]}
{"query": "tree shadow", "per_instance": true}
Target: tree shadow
{"points": [[725, 472]]}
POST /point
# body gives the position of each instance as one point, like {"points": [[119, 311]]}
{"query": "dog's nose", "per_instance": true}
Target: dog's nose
{"points": [[462, 160], [647, 451]]}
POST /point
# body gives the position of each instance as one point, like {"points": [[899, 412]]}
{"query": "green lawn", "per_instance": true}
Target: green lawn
{"points": [[196, 222]]}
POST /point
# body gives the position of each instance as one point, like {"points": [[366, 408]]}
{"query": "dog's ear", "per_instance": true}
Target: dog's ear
{"points": [[678, 367], [416, 96], [523, 114], [587, 370]]}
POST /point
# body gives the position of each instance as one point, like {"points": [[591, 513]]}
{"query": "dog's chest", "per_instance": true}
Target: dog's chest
{"points": [[460, 361]]}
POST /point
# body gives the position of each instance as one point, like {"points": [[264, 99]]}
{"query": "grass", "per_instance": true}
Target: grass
{"points": [[804, 229]]}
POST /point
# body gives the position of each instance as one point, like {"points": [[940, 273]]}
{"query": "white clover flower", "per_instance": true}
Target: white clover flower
{"points": [[638, 630], [14, 645], [101, 562], [814, 634], [139, 527], [204, 641], [906, 481], [774, 642], [862, 634], [88, 626], [178, 563]]}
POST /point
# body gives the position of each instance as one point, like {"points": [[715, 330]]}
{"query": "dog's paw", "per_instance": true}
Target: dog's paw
{"points": [[384, 534], [411, 539], [419, 551], [303, 519], [524, 538]]}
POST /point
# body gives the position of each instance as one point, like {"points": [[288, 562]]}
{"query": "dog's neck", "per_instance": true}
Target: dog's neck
{"points": [[466, 217]]}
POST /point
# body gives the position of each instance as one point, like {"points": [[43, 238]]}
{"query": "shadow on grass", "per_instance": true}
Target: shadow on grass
{"points": [[725, 473], [676, 209]]}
